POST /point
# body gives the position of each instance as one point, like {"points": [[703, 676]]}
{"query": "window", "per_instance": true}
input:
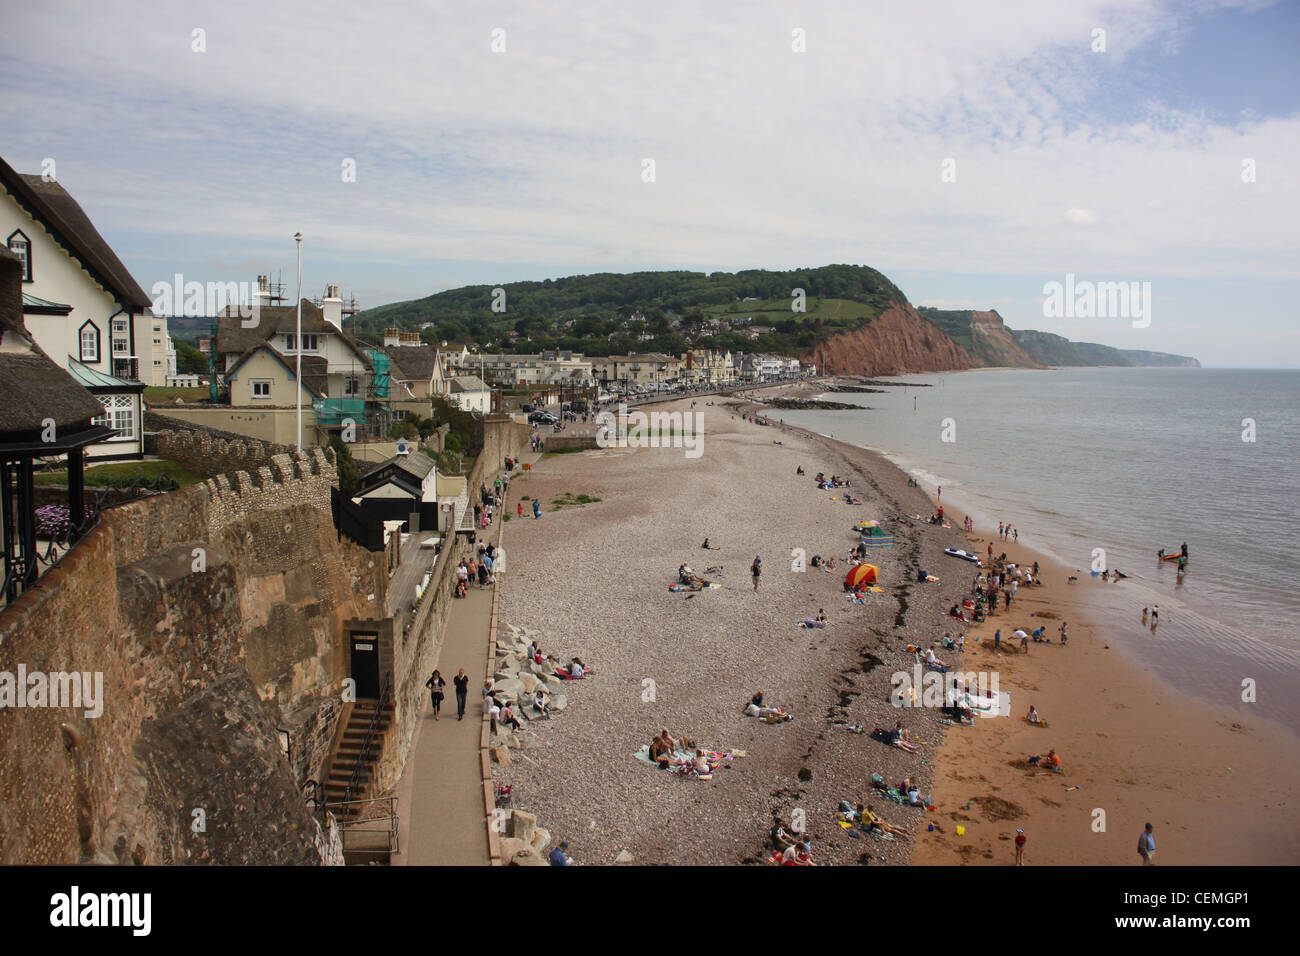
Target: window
{"points": [[351, 385], [121, 326], [262, 388], [308, 343], [89, 340], [119, 413], [119, 346], [21, 246]]}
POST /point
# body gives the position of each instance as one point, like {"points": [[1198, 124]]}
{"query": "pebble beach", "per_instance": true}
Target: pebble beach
{"points": [[591, 580]]}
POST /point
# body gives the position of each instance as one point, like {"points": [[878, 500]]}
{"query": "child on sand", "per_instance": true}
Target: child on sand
{"points": [[1021, 840]]}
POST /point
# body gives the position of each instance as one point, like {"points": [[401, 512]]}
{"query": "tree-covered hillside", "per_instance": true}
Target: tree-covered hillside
{"points": [[609, 313]]}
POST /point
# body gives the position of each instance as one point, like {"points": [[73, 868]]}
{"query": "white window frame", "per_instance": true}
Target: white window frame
{"points": [[88, 344], [254, 386], [119, 413], [21, 246]]}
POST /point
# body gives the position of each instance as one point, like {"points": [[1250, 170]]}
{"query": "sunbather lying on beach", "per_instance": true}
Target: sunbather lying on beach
{"points": [[870, 821], [932, 661], [898, 737], [771, 715]]}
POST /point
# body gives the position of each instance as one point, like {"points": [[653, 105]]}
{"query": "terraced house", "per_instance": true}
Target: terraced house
{"points": [[82, 306]]}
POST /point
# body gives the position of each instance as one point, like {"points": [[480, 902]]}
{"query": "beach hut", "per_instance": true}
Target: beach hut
{"points": [[861, 576]]}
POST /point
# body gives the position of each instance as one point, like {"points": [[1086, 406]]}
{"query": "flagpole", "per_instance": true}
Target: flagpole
{"points": [[297, 237]]}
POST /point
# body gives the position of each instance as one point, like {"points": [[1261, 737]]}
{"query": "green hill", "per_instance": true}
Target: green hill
{"points": [[607, 313]]}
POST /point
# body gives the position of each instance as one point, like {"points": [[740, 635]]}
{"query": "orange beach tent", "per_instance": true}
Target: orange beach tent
{"points": [[860, 576]]}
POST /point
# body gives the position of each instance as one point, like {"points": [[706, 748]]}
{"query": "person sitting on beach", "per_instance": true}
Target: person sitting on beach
{"points": [[781, 839], [1053, 760], [660, 752], [703, 764], [798, 855], [539, 702], [508, 716], [898, 737], [577, 669], [1032, 716], [932, 661], [913, 795], [799, 470], [821, 615]]}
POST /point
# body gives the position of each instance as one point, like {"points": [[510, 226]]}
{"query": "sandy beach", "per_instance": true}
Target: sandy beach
{"points": [[593, 580]]}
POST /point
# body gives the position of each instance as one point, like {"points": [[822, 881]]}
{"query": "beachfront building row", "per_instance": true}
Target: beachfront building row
{"points": [[553, 367], [754, 367]]}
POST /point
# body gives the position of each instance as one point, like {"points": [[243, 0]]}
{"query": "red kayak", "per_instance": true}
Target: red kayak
{"points": [[1171, 557]]}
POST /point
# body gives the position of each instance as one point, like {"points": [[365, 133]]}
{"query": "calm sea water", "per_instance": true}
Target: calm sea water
{"points": [[1129, 461]]}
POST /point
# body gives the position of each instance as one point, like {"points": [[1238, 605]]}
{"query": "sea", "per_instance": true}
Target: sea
{"points": [[1102, 467]]}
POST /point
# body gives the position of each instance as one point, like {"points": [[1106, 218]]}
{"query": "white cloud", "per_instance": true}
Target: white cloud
{"points": [[765, 157]]}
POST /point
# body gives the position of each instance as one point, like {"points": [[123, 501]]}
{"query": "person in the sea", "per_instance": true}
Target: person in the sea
{"points": [[1146, 614]]}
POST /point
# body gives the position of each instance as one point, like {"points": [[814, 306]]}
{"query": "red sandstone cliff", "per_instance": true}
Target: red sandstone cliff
{"points": [[898, 341]]}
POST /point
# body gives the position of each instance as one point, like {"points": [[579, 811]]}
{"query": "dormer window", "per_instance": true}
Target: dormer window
{"points": [[21, 246], [309, 343], [88, 340]]}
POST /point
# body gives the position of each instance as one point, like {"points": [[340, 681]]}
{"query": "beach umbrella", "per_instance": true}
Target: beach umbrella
{"points": [[863, 574]]}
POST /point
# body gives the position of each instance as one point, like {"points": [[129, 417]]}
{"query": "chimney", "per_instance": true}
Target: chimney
{"points": [[262, 297], [411, 338], [392, 337], [332, 307]]}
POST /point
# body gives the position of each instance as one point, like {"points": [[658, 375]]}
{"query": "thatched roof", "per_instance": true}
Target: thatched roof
{"points": [[35, 387], [51, 205]]}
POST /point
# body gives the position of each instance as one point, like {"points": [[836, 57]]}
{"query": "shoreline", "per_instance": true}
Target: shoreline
{"points": [[611, 803]]}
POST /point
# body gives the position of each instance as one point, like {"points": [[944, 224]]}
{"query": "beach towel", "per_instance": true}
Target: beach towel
{"points": [[810, 624]]}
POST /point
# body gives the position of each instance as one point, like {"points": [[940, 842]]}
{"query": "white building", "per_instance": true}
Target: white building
{"points": [[470, 394], [81, 305]]}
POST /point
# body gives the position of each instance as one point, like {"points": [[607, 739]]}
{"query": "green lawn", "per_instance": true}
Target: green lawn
{"points": [[121, 474], [168, 396]]}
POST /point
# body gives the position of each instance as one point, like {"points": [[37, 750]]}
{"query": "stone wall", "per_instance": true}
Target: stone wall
{"points": [[206, 454], [212, 615]]}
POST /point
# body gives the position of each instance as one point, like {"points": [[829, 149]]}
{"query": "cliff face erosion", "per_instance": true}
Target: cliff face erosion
{"points": [[897, 341]]}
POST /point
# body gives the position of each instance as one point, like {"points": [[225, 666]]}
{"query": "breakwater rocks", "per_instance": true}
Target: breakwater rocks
{"points": [[854, 388], [809, 403]]}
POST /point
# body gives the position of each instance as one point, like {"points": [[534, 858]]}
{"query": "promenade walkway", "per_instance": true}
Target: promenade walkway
{"points": [[440, 795], [441, 815]]}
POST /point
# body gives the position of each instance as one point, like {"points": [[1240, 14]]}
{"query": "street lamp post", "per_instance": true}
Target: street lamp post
{"points": [[297, 238]]}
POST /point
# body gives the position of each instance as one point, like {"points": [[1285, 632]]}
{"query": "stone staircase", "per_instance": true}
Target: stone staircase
{"points": [[347, 756]]}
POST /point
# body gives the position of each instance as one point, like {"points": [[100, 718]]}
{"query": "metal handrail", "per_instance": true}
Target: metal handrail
{"points": [[367, 742]]}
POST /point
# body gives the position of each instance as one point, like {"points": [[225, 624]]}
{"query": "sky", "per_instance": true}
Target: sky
{"points": [[972, 152]]}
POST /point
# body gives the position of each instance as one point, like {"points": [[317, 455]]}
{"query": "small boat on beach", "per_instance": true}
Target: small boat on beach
{"points": [[964, 555]]}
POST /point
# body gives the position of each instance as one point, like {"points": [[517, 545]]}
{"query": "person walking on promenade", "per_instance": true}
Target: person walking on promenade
{"points": [[435, 683], [1147, 846], [756, 570], [461, 680], [1021, 840]]}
